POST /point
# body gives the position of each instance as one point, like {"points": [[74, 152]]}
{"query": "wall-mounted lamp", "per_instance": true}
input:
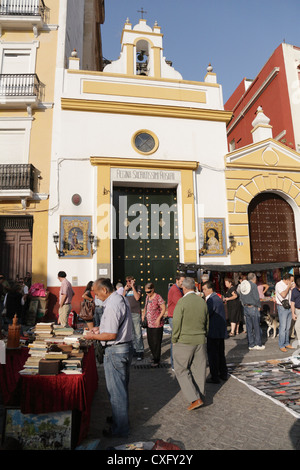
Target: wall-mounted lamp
{"points": [[105, 191], [56, 240], [232, 244], [93, 241], [203, 250], [190, 193]]}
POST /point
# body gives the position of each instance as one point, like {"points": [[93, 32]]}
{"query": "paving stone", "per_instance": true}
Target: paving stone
{"points": [[240, 418]]}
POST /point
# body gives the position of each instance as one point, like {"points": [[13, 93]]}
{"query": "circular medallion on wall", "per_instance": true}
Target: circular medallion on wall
{"points": [[145, 142], [76, 199], [270, 157]]}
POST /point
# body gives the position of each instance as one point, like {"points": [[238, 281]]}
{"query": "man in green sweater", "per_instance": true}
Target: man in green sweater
{"points": [[190, 328]]}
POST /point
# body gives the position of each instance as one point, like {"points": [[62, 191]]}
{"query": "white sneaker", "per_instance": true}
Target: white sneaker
{"points": [[259, 347]]}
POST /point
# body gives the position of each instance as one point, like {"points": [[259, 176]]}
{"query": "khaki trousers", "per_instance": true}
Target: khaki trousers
{"points": [[190, 369], [63, 314]]}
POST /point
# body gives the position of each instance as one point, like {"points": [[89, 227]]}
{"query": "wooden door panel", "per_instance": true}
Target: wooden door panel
{"points": [[272, 229], [153, 256], [16, 253]]}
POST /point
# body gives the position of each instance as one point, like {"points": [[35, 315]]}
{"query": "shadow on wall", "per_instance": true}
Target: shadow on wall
{"points": [[53, 301]]}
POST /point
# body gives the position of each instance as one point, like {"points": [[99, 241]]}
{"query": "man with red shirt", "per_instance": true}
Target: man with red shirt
{"points": [[175, 293]]}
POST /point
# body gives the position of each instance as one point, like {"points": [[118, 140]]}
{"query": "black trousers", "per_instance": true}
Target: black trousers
{"points": [[154, 337], [216, 358]]}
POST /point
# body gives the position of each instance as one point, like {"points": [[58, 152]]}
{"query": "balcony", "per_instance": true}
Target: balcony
{"points": [[19, 90], [22, 14], [17, 181]]}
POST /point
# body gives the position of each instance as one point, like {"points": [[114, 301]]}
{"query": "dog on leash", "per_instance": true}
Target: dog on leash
{"points": [[272, 323]]}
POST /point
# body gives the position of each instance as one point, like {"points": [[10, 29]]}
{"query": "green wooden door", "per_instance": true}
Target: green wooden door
{"points": [[145, 238]]}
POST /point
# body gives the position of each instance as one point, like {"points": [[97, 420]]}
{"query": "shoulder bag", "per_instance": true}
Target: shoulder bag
{"points": [[285, 303], [87, 309], [144, 323]]}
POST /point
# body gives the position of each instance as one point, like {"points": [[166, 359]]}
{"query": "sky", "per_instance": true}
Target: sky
{"points": [[236, 36]]}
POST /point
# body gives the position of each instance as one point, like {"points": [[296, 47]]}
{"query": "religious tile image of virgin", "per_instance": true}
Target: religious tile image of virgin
{"points": [[212, 237]]}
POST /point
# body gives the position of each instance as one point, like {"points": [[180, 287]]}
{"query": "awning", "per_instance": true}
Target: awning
{"points": [[244, 268]]}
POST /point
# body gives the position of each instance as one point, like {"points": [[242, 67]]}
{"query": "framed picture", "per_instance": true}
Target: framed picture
{"points": [[212, 237], [74, 236], [51, 431]]}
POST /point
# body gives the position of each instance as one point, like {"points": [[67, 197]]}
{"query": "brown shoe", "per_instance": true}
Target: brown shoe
{"points": [[195, 404], [289, 346], [283, 349]]}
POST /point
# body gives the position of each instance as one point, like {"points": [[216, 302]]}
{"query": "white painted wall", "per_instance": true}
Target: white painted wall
{"points": [[78, 135]]}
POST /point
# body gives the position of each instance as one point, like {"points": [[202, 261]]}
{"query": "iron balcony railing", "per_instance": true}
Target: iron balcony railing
{"points": [[17, 176], [22, 7], [21, 84]]}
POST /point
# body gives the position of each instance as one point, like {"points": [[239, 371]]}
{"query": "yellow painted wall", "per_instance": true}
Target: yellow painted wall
{"points": [[40, 138], [104, 166], [116, 89], [249, 172]]}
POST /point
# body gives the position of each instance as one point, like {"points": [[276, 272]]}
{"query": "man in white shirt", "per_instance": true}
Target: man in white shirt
{"points": [[115, 334], [283, 290]]}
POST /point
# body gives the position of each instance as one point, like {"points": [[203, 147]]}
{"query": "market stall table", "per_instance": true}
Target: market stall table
{"points": [[36, 394]]}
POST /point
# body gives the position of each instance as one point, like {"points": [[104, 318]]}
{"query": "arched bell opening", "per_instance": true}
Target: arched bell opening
{"points": [[142, 57]]}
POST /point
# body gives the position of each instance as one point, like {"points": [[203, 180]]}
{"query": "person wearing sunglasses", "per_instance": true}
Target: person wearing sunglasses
{"points": [[154, 311]]}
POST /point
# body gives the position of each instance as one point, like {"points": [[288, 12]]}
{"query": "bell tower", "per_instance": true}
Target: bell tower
{"points": [[142, 53]]}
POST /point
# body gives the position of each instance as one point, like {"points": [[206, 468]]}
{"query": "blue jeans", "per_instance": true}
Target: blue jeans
{"points": [[170, 319], [285, 318], [117, 360], [138, 342], [97, 315], [252, 319]]}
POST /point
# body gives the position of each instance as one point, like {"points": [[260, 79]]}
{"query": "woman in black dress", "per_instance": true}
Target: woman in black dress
{"points": [[233, 307]]}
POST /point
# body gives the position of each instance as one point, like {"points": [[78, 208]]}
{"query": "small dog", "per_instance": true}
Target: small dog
{"points": [[273, 324]]}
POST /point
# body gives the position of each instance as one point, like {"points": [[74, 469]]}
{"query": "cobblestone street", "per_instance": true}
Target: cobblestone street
{"points": [[234, 417]]}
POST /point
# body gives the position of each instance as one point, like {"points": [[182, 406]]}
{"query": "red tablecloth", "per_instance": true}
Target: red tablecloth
{"points": [[38, 394], [9, 374]]}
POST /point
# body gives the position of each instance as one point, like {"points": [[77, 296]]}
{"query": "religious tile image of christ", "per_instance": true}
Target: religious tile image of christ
{"points": [[74, 236]]}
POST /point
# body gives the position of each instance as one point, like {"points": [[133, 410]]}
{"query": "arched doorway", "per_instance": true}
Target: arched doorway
{"points": [[272, 229]]}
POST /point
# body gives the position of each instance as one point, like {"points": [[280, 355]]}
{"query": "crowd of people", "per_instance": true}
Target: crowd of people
{"points": [[198, 319], [14, 299]]}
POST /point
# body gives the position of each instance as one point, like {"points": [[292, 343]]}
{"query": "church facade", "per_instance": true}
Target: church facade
{"points": [[131, 169], [137, 174], [262, 168], [263, 193]]}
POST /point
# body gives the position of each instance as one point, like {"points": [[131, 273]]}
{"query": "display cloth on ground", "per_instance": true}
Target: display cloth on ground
{"points": [[278, 380]]}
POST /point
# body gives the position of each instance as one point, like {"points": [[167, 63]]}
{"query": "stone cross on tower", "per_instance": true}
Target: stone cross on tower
{"points": [[142, 11]]}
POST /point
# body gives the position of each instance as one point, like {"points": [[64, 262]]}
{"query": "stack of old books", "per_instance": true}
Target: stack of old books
{"points": [[72, 366], [59, 355], [62, 330], [51, 364], [37, 352], [44, 330]]}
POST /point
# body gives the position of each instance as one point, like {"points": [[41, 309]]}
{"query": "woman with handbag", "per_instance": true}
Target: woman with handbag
{"points": [[154, 312], [87, 309], [233, 304]]}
